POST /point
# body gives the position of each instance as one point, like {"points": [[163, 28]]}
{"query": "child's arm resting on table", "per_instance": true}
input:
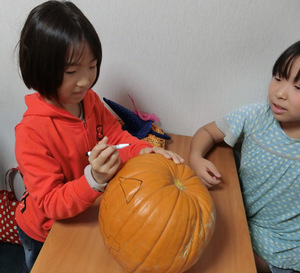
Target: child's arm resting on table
{"points": [[203, 140]]}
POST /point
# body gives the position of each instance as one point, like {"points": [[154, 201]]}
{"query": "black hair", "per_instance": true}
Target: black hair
{"points": [[284, 63], [52, 32]]}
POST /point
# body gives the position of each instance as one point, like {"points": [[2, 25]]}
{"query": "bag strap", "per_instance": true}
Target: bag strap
{"points": [[9, 177]]}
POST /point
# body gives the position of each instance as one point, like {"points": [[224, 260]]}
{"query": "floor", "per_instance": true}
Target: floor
{"points": [[11, 258]]}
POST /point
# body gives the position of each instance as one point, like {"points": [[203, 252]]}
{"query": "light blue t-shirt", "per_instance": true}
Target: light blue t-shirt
{"points": [[270, 181]]}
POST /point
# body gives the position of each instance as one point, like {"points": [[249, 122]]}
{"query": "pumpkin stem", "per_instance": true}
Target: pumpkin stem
{"points": [[178, 184]]}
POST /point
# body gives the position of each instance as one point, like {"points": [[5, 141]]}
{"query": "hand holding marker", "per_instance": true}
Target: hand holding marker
{"points": [[118, 147]]}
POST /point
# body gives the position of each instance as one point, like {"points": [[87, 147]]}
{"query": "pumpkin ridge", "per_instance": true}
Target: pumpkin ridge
{"points": [[162, 232], [195, 201], [206, 212], [181, 245], [188, 242], [128, 220], [209, 214], [110, 241], [198, 209], [145, 199], [184, 239], [210, 224], [110, 190], [195, 225]]}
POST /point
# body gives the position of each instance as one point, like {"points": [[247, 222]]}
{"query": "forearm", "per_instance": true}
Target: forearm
{"points": [[201, 143], [205, 139]]}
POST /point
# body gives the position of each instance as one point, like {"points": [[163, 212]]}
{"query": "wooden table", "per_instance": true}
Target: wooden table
{"points": [[75, 245]]}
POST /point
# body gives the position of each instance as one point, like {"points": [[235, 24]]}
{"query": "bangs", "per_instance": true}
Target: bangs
{"points": [[297, 78], [284, 64], [74, 53], [283, 69]]}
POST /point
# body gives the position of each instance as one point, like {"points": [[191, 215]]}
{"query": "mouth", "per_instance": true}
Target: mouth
{"points": [[277, 109], [80, 93]]}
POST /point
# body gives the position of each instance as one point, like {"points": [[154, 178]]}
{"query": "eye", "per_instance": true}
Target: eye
{"points": [[92, 67], [70, 72], [297, 87], [277, 78]]}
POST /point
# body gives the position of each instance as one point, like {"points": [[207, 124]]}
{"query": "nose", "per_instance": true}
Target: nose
{"points": [[84, 80], [282, 92]]}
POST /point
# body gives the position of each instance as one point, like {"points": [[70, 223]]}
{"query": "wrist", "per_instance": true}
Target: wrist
{"points": [[96, 178], [94, 184]]}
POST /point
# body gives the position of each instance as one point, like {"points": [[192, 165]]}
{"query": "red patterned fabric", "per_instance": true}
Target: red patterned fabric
{"points": [[8, 204]]}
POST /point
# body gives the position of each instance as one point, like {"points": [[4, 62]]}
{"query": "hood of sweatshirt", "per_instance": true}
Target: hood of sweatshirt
{"points": [[37, 106]]}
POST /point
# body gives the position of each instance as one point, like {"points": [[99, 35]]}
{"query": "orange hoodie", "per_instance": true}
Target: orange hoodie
{"points": [[50, 150]]}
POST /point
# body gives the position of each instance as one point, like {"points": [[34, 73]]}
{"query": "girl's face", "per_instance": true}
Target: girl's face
{"points": [[284, 98], [79, 76]]}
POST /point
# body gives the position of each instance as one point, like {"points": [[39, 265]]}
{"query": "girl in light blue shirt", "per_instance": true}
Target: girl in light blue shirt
{"points": [[269, 167]]}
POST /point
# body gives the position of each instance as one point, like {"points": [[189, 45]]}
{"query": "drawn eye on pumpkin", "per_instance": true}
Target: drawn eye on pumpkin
{"points": [[130, 186], [99, 130]]}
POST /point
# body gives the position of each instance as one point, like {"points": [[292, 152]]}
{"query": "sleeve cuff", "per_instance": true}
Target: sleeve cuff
{"points": [[90, 179], [229, 138]]}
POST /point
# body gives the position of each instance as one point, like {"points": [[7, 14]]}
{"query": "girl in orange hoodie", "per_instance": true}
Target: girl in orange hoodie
{"points": [[60, 56]]}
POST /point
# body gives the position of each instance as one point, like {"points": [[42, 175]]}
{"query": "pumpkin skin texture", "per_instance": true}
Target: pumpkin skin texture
{"points": [[156, 216]]}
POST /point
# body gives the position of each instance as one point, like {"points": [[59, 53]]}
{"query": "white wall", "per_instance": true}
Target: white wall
{"points": [[188, 61]]}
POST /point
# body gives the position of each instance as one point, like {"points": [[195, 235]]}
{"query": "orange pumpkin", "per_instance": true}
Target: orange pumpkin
{"points": [[156, 216]]}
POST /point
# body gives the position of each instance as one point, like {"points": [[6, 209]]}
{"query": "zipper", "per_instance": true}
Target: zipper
{"points": [[87, 136], [86, 128]]}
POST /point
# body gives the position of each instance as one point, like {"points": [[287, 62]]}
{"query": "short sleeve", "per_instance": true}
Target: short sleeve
{"points": [[239, 121]]}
